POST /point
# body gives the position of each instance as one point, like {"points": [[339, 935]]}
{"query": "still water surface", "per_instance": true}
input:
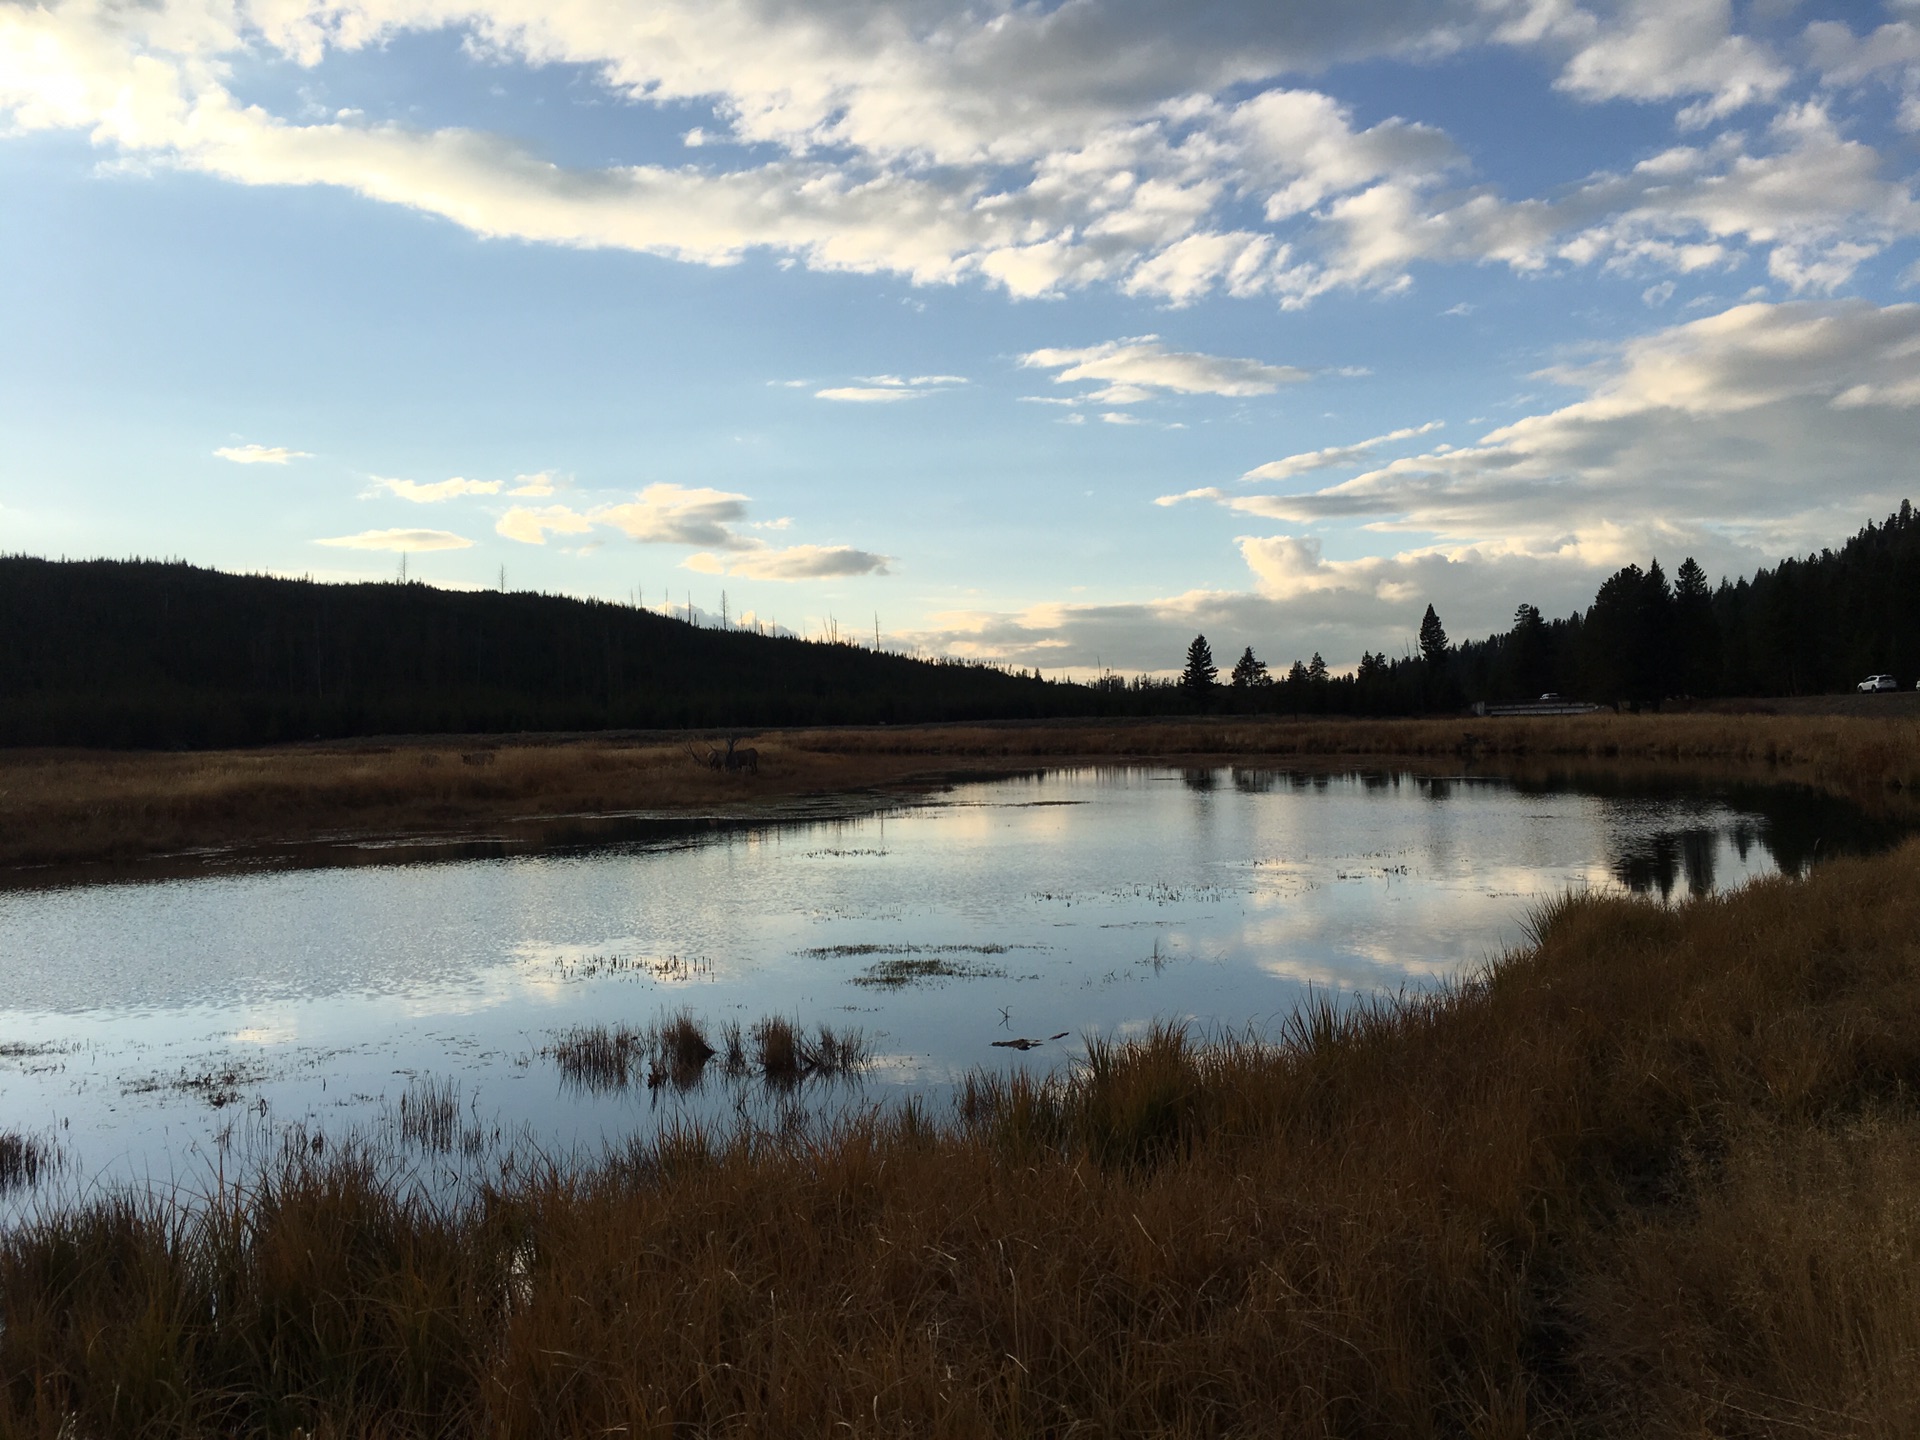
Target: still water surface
{"points": [[142, 1025]]}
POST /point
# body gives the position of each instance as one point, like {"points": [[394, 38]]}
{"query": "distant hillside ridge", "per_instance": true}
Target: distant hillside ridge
{"points": [[147, 654]]}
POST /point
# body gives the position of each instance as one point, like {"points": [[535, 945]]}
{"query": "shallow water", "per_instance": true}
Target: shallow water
{"points": [[148, 1027]]}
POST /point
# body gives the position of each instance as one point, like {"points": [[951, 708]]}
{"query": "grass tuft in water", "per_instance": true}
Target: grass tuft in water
{"points": [[899, 971], [680, 1053], [25, 1160], [677, 1051], [430, 1114], [776, 1047], [600, 1057], [785, 1053]]}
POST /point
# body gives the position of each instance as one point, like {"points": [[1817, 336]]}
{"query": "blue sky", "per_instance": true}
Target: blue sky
{"points": [[1047, 333]]}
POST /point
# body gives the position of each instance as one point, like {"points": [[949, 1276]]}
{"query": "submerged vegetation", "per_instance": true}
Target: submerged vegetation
{"points": [[676, 1051], [1652, 1175], [25, 1160]]}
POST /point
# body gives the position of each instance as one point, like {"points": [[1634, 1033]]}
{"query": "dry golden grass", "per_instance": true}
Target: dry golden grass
{"points": [[1837, 752], [1654, 1176], [73, 807]]}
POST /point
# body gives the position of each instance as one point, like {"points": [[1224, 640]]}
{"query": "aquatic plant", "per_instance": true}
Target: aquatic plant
{"points": [[25, 1160], [430, 1113], [680, 1052], [600, 1057]]}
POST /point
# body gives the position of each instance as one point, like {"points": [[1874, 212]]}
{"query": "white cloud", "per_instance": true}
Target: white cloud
{"points": [[1759, 429], [1300, 602], [808, 562], [531, 524], [1846, 59], [1136, 369], [438, 490], [868, 394], [1663, 49], [1333, 456], [884, 389], [540, 483], [1808, 190], [1739, 438], [401, 540], [667, 514], [1036, 147], [1205, 492], [260, 454]]}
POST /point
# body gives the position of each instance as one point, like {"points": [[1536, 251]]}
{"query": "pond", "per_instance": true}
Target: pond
{"points": [[150, 1028]]}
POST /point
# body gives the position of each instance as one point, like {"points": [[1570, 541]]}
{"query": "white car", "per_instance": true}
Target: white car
{"points": [[1877, 682]]}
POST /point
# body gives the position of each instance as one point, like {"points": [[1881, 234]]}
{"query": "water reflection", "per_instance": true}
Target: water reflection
{"points": [[1656, 862], [1010, 917], [1790, 826]]}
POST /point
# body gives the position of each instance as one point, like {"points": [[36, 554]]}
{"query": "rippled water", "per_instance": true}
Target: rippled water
{"points": [[141, 1021]]}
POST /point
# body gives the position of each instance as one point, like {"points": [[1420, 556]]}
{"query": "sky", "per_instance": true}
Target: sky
{"points": [[1049, 334]]}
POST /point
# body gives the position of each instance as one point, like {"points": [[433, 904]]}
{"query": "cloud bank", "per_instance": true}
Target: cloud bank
{"points": [[1169, 154], [668, 514], [1738, 438]]}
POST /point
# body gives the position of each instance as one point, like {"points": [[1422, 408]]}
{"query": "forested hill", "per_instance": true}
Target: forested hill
{"points": [[144, 654], [1807, 626]]}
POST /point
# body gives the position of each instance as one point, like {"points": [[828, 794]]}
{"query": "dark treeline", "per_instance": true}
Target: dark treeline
{"points": [[1807, 626], [145, 654]]}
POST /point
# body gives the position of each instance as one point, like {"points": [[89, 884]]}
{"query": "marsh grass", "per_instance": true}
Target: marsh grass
{"points": [[676, 1051], [680, 1053], [785, 1052], [778, 1046], [68, 807], [79, 807], [25, 1160], [1653, 1175], [896, 972], [430, 1114], [598, 1057]]}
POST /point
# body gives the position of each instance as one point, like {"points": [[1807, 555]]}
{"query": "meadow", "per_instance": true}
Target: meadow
{"points": [[88, 807], [1651, 1174]]}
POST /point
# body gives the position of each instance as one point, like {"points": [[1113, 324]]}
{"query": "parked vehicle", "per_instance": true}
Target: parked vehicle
{"points": [[1877, 682]]}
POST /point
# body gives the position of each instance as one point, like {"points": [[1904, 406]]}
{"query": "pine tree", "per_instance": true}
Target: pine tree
{"points": [[1696, 632], [1199, 676], [1250, 673], [1316, 670], [1433, 639], [1529, 658]]}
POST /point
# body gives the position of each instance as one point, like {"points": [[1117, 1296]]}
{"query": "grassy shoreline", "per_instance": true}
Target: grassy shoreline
{"points": [[74, 808], [1652, 1175]]}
